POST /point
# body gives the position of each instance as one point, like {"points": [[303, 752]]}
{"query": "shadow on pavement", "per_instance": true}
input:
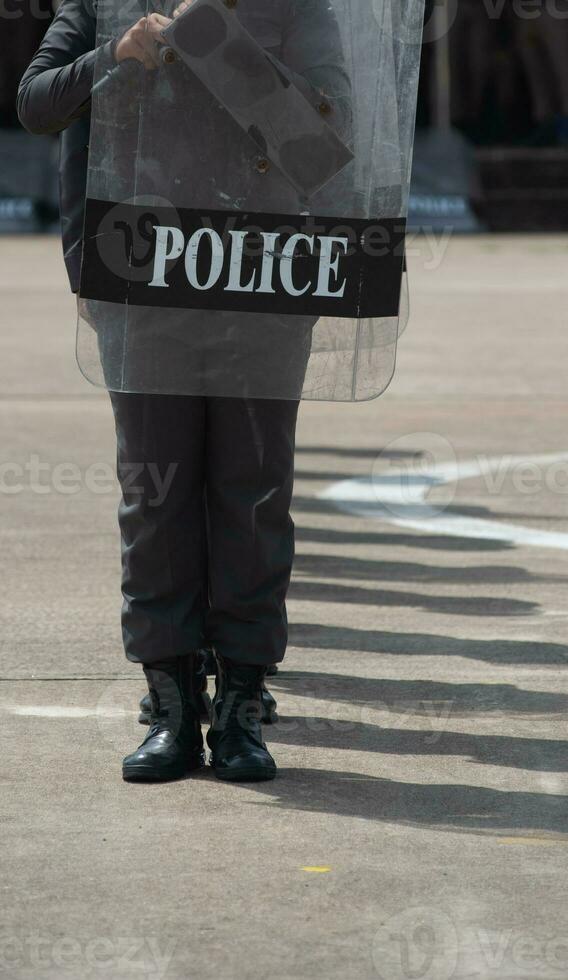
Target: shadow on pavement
{"points": [[347, 452], [451, 605], [425, 698], [320, 505], [400, 539], [336, 566], [536, 755], [498, 651], [444, 807]]}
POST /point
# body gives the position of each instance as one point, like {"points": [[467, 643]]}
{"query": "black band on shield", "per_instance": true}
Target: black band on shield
{"points": [[251, 262]]}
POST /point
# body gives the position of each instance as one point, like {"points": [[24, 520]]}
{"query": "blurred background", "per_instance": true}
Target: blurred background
{"points": [[492, 138]]}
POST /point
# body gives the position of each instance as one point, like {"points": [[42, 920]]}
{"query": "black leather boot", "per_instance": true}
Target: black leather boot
{"points": [[211, 666], [269, 714], [269, 707], [238, 752], [201, 671], [174, 743]]}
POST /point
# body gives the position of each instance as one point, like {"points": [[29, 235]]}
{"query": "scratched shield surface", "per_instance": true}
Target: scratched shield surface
{"points": [[247, 200]]}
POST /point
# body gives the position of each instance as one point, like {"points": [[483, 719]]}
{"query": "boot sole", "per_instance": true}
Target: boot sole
{"points": [[144, 774]]}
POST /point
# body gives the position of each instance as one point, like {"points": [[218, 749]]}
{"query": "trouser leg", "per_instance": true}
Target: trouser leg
{"points": [[249, 475], [161, 469]]}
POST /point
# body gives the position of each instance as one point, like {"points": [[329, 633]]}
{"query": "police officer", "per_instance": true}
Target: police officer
{"points": [[210, 563]]}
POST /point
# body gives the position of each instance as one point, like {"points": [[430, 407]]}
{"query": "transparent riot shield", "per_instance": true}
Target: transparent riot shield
{"points": [[246, 200]]}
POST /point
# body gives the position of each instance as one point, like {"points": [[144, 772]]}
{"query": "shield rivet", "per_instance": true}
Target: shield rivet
{"points": [[263, 165], [324, 108], [230, 3]]}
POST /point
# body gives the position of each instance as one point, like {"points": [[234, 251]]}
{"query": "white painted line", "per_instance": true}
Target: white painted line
{"points": [[400, 498], [61, 711]]}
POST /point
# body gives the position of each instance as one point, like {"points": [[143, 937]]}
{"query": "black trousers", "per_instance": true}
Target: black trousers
{"points": [[207, 537]]}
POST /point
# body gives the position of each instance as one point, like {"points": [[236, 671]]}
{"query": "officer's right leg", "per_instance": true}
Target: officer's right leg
{"points": [[160, 464], [160, 452]]}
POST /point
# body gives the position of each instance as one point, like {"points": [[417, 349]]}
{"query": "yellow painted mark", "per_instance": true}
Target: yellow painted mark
{"points": [[533, 840], [316, 869]]}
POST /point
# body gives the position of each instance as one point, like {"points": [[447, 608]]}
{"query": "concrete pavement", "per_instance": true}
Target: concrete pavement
{"points": [[419, 824]]}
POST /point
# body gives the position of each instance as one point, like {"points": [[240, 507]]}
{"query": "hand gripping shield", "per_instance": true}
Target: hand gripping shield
{"points": [[246, 200]]}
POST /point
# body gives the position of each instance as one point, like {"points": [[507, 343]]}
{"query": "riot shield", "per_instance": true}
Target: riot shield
{"points": [[246, 200]]}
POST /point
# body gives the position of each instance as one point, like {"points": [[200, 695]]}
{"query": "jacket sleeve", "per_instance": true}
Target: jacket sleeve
{"points": [[312, 52], [56, 87]]}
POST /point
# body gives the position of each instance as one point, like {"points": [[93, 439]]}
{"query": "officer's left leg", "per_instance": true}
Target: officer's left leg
{"points": [[249, 482]]}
